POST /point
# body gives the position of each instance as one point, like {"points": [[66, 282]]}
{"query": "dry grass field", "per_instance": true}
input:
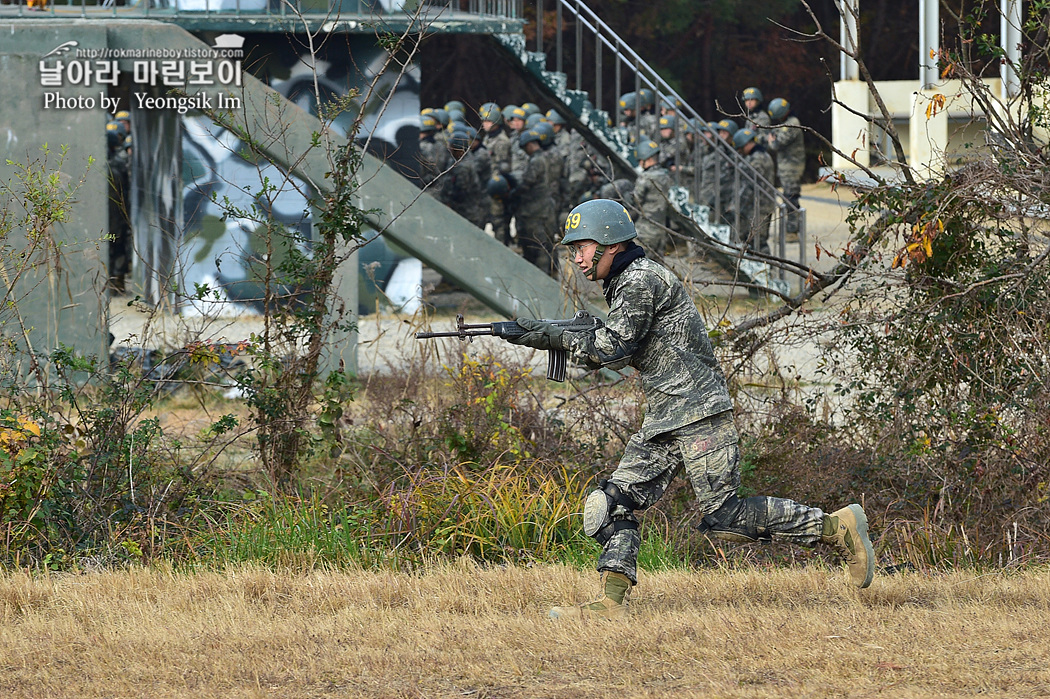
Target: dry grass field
{"points": [[464, 631]]}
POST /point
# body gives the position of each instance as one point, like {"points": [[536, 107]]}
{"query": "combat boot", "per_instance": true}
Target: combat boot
{"points": [[847, 531], [612, 606]]}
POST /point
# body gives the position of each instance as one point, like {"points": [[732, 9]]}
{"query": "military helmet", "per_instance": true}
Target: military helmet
{"points": [[122, 115], [647, 97], [114, 135], [497, 186], [629, 100], [531, 108], [442, 116], [555, 118], [426, 110], [742, 137], [528, 136], [455, 105], [779, 109], [646, 150], [603, 220], [532, 120], [752, 93], [546, 131], [457, 115], [666, 122], [427, 123], [460, 140], [728, 125], [490, 111], [514, 112]]}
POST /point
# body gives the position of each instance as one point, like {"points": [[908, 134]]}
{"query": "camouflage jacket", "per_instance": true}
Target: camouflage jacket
{"points": [[433, 159], [654, 327], [758, 121], [534, 188], [650, 194], [752, 202], [498, 146], [790, 147]]}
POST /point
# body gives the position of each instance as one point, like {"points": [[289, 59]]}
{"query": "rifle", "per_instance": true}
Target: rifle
{"points": [[556, 359]]}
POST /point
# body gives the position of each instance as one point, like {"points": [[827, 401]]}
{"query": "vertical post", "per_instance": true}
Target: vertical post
{"points": [[539, 27], [1010, 36], [849, 10], [579, 48], [598, 68], [616, 90], [560, 27], [637, 104], [929, 42]]}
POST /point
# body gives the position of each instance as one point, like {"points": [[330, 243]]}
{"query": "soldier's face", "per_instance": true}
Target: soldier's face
{"points": [[584, 258], [487, 125], [750, 104], [516, 124]]}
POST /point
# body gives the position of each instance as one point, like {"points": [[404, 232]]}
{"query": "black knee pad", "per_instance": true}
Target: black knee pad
{"points": [[598, 521], [741, 521]]}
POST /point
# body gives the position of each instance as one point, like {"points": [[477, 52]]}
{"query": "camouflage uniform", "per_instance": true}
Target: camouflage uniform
{"points": [[650, 197], [654, 327], [433, 158], [461, 190], [535, 215], [758, 121], [119, 163], [756, 211], [497, 143], [789, 146]]}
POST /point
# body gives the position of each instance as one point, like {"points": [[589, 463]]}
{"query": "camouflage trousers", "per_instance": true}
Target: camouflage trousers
{"points": [[708, 452]]}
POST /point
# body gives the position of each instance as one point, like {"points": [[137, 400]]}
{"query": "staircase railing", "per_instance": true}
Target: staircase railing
{"points": [[627, 64]]}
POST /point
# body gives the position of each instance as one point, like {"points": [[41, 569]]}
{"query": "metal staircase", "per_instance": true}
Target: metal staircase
{"points": [[591, 36]]}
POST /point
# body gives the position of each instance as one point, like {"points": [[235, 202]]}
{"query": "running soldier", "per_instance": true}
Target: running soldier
{"points": [[654, 327]]}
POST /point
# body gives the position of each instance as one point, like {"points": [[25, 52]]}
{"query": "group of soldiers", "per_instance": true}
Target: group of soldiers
{"points": [[118, 159], [530, 166]]}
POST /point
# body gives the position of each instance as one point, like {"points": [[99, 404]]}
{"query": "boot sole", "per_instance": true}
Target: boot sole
{"points": [[862, 531]]}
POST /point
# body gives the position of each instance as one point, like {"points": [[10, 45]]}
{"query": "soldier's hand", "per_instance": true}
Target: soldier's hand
{"points": [[538, 335]]}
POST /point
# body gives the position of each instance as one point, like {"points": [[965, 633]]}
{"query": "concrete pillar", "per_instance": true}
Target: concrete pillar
{"points": [[928, 136], [849, 132], [849, 13], [929, 41], [62, 302], [1010, 36]]}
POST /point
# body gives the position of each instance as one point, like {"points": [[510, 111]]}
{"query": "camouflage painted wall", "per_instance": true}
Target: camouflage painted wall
{"points": [[228, 251]]}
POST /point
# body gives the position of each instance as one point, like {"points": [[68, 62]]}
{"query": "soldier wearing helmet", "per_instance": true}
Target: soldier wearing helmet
{"points": [[495, 140], [534, 216], [433, 155], [119, 163], [461, 187], [755, 117], [786, 143], [688, 428], [755, 207], [650, 198]]}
